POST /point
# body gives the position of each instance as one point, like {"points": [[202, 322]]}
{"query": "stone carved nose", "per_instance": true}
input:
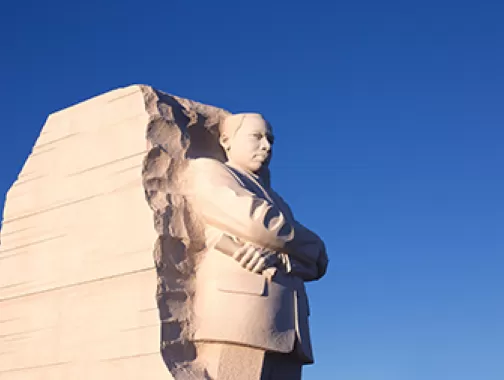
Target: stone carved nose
{"points": [[265, 144]]}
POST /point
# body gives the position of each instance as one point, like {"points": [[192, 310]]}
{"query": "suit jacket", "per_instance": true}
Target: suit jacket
{"points": [[267, 311]]}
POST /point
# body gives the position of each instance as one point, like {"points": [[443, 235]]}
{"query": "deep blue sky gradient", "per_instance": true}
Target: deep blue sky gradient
{"points": [[389, 119]]}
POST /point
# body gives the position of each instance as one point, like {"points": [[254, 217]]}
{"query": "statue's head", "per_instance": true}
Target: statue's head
{"points": [[247, 140]]}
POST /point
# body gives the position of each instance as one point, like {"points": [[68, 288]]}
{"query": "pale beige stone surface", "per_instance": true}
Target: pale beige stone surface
{"points": [[255, 307], [115, 229], [77, 275]]}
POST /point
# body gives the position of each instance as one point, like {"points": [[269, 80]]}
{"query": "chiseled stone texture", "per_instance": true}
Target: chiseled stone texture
{"points": [[79, 286]]}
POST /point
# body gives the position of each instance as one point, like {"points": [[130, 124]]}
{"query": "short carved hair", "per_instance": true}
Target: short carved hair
{"points": [[231, 124]]}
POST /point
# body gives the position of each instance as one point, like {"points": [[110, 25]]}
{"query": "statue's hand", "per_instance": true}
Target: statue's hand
{"points": [[255, 259]]}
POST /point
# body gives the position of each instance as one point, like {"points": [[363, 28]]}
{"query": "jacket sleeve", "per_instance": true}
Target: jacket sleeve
{"points": [[222, 202], [306, 243]]}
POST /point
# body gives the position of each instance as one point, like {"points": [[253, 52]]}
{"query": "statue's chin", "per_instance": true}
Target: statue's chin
{"points": [[255, 167], [258, 169]]}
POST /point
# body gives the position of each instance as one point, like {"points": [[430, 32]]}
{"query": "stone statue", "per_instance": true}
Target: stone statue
{"points": [[91, 288], [254, 296], [249, 311]]}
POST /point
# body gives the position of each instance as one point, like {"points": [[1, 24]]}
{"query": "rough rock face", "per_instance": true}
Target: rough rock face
{"points": [[90, 286]]}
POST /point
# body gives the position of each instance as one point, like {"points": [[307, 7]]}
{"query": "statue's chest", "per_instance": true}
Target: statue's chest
{"points": [[254, 186], [263, 192]]}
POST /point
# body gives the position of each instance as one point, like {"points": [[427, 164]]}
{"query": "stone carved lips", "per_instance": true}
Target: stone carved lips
{"points": [[262, 157]]}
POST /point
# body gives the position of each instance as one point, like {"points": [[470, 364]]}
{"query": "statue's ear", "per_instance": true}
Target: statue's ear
{"points": [[225, 141]]}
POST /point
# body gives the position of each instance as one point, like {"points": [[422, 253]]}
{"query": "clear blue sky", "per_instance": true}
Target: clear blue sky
{"points": [[389, 118]]}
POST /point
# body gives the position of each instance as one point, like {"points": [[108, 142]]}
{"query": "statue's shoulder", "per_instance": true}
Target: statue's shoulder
{"points": [[206, 163], [208, 169], [206, 166]]}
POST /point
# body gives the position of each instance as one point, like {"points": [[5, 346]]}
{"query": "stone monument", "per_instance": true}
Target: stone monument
{"points": [[205, 280]]}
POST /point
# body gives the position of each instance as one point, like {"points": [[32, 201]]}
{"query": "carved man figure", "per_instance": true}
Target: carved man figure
{"points": [[251, 310]]}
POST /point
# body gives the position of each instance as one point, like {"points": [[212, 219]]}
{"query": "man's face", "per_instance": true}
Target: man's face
{"points": [[250, 146]]}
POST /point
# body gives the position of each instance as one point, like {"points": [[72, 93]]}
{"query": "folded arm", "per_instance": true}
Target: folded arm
{"points": [[225, 204], [307, 244]]}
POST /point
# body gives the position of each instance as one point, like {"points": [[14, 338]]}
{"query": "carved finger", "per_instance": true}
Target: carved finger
{"points": [[240, 252], [271, 258], [260, 265], [249, 253], [253, 261]]}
